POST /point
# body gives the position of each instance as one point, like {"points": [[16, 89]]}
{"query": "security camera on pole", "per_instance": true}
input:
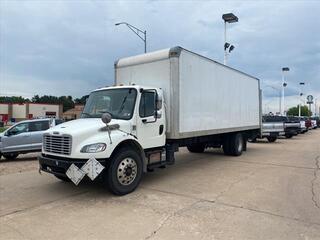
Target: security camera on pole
{"points": [[300, 96], [284, 84], [228, 18]]}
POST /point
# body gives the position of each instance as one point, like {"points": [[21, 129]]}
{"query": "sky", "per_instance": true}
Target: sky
{"points": [[69, 47]]}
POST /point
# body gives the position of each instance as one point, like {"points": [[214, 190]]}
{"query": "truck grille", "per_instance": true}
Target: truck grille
{"points": [[57, 144]]}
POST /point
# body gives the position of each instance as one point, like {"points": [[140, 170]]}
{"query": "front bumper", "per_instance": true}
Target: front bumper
{"points": [[270, 134], [59, 166]]}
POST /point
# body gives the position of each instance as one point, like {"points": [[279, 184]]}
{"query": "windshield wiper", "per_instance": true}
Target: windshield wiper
{"points": [[123, 102]]}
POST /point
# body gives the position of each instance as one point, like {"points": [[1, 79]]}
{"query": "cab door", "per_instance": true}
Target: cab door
{"points": [[151, 119], [16, 138], [36, 129]]}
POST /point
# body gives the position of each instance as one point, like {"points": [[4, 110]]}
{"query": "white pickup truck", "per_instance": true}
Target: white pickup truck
{"points": [[161, 101]]}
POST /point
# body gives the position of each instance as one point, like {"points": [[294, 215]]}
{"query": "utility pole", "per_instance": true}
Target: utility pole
{"points": [[284, 84]]}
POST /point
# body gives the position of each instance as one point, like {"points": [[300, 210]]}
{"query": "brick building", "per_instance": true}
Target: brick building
{"points": [[22, 111]]}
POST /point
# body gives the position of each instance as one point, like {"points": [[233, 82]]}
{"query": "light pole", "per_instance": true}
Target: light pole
{"points": [[228, 18], [300, 95], [284, 84], [138, 32]]}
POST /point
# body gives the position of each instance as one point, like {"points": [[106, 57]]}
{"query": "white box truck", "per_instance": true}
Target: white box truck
{"points": [[161, 101]]}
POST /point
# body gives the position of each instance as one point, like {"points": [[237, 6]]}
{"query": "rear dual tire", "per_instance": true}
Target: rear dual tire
{"points": [[233, 144]]}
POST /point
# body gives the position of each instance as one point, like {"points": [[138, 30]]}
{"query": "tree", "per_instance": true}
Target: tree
{"points": [[81, 100], [14, 99], [294, 111]]}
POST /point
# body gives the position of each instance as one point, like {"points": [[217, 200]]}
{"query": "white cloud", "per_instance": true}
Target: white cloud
{"points": [[69, 47]]}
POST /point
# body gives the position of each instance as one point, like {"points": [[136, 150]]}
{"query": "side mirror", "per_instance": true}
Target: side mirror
{"points": [[106, 118], [158, 102]]}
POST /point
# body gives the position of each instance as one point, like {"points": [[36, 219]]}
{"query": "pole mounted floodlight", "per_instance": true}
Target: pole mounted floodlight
{"points": [[138, 32], [284, 84], [228, 18]]}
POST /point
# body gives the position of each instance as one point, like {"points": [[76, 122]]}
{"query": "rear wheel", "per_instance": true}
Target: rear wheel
{"points": [[233, 144], [10, 156], [124, 172], [272, 139], [289, 136], [196, 148]]}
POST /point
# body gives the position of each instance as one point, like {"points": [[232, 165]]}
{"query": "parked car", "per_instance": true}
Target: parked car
{"points": [[302, 128], [291, 127], [25, 137], [317, 119], [314, 124], [308, 122], [271, 129]]}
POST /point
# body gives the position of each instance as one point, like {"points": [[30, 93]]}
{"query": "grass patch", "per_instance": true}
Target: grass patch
{"points": [[2, 129]]}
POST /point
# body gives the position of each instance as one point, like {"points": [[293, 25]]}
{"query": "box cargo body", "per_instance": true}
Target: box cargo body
{"points": [[202, 96]]}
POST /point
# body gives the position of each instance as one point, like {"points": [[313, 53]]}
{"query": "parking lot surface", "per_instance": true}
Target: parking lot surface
{"points": [[272, 191]]}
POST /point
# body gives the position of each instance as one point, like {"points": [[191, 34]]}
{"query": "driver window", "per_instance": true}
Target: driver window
{"points": [[20, 128], [147, 104]]}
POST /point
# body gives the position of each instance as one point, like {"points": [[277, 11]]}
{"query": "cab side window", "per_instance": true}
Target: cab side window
{"points": [[38, 126], [147, 104]]}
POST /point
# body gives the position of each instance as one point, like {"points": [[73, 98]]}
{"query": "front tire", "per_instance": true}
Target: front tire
{"points": [[271, 139], [10, 156], [124, 173]]}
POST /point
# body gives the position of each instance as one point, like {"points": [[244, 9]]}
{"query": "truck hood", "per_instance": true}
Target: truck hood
{"points": [[85, 126]]}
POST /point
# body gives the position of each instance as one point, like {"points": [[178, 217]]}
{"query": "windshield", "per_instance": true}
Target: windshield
{"points": [[118, 102]]}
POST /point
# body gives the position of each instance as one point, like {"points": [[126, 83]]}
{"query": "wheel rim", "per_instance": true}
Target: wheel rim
{"points": [[127, 171]]}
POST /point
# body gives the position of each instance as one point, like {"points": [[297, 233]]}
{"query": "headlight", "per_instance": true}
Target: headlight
{"points": [[93, 148]]}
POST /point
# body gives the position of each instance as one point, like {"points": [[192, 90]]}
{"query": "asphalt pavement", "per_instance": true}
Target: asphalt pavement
{"points": [[272, 191]]}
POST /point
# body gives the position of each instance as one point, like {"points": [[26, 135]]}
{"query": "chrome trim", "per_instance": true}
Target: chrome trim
{"points": [[59, 144]]}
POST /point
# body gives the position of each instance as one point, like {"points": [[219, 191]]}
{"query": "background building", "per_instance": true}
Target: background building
{"points": [[73, 113], [20, 111]]}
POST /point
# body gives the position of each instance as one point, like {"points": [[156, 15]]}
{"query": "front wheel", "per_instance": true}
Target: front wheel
{"points": [[289, 136], [272, 139], [10, 156], [124, 172]]}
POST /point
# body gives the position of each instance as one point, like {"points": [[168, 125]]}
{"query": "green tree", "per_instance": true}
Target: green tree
{"points": [[294, 111], [81, 100], [14, 99]]}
